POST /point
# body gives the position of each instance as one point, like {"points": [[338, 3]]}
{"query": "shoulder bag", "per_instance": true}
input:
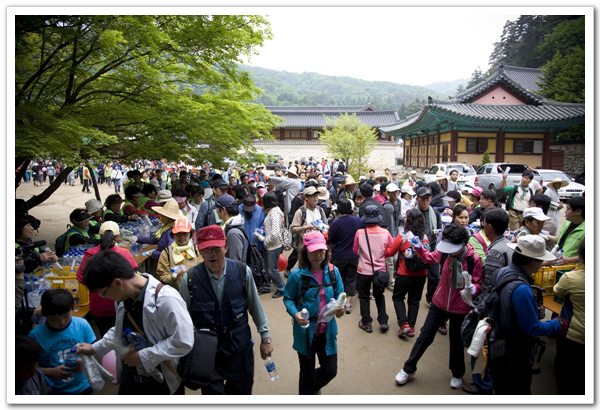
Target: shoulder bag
{"points": [[381, 278]]}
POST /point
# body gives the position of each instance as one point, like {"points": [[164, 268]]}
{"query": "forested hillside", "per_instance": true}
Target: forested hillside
{"points": [[285, 88]]}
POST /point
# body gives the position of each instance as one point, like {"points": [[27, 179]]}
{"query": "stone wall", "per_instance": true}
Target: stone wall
{"points": [[574, 157], [384, 155]]}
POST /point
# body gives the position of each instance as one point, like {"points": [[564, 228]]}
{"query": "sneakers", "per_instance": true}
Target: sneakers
{"points": [[263, 291], [277, 294], [472, 389], [384, 327], [411, 332], [442, 330], [455, 383], [402, 377], [348, 308], [403, 331]]}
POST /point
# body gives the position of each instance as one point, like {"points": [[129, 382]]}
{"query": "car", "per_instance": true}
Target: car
{"points": [[466, 173], [565, 193], [273, 161], [489, 176]]}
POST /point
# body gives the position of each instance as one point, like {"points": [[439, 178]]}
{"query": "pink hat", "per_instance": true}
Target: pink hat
{"points": [[476, 192], [262, 192], [314, 241]]}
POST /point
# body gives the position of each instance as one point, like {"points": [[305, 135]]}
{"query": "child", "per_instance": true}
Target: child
{"points": [[57, 336], [30, 381]]}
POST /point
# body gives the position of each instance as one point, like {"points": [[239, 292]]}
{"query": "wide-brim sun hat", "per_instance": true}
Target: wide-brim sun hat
{"points": [[556, 181], [533, 246], [163, 196], [349, 180], [371, 215], [323, 193], [292, 170], [93, 205], [170, 209], [440, 175]]}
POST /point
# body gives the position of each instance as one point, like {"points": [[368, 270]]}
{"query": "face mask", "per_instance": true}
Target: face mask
{"points": [[20, 268]]}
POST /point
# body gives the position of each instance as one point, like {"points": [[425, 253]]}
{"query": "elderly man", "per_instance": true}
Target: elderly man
{"points": [[446, 185], [518, 198], [205, 215], [224, 294], [412, 180], [150, 308], [291, 186]]}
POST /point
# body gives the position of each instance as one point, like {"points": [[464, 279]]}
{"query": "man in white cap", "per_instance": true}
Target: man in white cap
{"points": [[394, 179], [517, 323], [291, 186], [406, 204], [533, 222], [393, 209], [412, 180]]}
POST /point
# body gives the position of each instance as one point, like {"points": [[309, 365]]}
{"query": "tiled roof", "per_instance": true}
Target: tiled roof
{"points": [[527, 77], [302, 118], [527, 113], [336, 109], [499, 76]]}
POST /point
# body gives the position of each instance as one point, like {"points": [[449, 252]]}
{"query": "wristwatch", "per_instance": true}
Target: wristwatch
{"points": [[266, 341]]}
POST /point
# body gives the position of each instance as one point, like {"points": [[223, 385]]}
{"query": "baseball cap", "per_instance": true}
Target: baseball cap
{"points": [[249, 203], [408, 190], [182, 225], [219, 183], [392, 188], [413, 172], [109, 226], [180, 199], [224, 201], [210, 236], [476, 192], [396, 172], [449, 247], [377, 187], [311, 190], [262, 192], [536, 213], [314, 241], [423, 191], [163, 196]]}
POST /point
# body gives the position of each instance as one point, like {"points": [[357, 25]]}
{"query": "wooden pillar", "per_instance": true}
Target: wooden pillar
{"points": [[282, 133], [500, 146], [439, 149], [546, 160], [453, 144], [427, 153], [308, 134]]}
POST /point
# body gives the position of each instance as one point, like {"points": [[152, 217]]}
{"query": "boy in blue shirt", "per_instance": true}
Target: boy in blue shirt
{"points": [[29, 380], [57, 336]]}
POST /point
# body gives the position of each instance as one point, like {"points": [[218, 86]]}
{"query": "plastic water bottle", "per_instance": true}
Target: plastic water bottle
{"points": [[27, 285], [270, 365], [304, 314], [416, 242], [44, 283], [70, 362], [92, 372], [75, 300], [140, 343], [408, 253], [176, 270], [47, 264]]}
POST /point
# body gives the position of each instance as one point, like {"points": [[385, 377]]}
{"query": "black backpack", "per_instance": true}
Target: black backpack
{"points": [[61, 241], [254, 260], [414, 263]]}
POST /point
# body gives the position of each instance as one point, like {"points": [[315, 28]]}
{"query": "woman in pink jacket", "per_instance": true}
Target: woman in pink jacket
{"points": [[456, 256], [378, 240]]}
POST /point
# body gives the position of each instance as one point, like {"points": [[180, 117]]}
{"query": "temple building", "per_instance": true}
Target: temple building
{"points": [[503, 114]]}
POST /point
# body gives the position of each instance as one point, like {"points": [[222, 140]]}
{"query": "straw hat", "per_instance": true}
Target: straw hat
{"points": [[170, 209], [293, 170], [557, 181], [349, 180]]}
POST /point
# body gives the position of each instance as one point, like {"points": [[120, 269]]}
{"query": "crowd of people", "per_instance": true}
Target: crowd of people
{"points": [[220, 245]]}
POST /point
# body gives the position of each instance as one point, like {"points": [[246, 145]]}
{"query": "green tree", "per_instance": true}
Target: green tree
{"points": [[477, 77], [347, 137], [486, 158], [103, 87], [564, 77], [460, 89]]}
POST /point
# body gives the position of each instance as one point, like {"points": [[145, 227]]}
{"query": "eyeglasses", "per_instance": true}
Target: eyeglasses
{"points": [[103, 294]]}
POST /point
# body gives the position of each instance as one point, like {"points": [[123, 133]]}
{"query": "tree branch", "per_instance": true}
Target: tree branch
{"points": [[38, 199]]}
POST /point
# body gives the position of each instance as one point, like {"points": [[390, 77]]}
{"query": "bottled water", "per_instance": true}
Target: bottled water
{"points": [[27, 285], [47, 264], [270, 365], [304, 314], [408, 253], [35, 285], [177, 269], [140, 343], [92, 372], [44, 284], [75, 300], [70, 362]]}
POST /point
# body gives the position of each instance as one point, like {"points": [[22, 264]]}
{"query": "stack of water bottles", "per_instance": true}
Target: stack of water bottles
{"points": [[73, 256], [35, 287], [321, 224], [260, 234]]}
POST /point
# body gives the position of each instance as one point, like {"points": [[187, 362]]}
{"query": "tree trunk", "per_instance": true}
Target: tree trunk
{"points": [[38, 199], [21, 173], [95, 183]]}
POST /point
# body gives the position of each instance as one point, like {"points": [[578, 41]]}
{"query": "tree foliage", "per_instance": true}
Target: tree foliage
{"points": [[347, 137], [100, 87], [477, 77], [486, 158]]}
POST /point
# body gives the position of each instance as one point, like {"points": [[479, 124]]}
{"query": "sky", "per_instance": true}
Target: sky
{"points": [[401, 45]]}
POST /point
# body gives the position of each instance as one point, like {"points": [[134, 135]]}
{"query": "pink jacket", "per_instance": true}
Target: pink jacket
{"points": [[100, 306], [448, 298], [379, 239]]}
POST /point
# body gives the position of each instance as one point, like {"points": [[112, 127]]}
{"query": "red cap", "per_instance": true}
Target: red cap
{"points": [[211, 236]]}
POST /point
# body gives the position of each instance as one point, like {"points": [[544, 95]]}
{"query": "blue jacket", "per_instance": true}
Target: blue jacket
{"points": [[291, 294], [252, 224], [163, 243]]}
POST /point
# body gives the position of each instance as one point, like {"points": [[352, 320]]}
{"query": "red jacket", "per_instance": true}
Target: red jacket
{"points": [[447, 298], [100, 306], [401, 245]]}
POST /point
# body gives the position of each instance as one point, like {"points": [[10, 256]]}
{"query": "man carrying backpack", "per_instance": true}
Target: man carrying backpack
{"points": [[233, 226], [518, 198], [224, 294], [517, 321]]}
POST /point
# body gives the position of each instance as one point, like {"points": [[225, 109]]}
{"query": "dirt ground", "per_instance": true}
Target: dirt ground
{"points": [[367, 363]]}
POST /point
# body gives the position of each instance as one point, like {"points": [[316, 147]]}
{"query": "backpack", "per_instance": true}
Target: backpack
{"points": [[305, 286], [296, 237], [510, 198], [414, 263], [254, 260], [59, 244]]}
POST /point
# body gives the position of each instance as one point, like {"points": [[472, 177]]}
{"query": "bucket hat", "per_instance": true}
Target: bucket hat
{"points": [[533, 246], [371, 215]]}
